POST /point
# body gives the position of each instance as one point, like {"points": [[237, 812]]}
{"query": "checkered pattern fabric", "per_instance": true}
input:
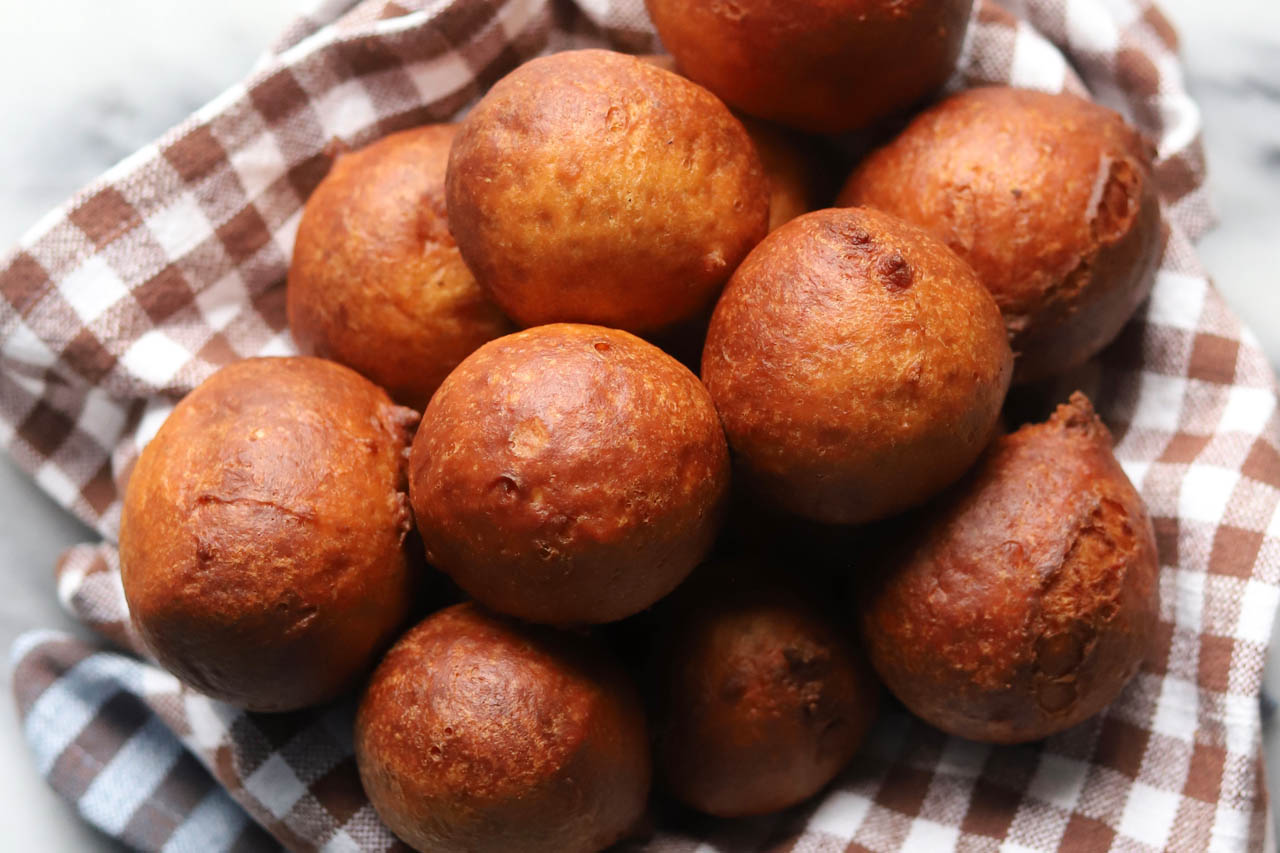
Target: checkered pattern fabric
{"points": [[172, 264]]}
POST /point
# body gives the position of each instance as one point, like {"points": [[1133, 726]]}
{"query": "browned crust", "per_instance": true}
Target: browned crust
{"points": [[377, 282], [478, 733], [261, 542], [589, 186], [569, 473], [857, 364], [1048, 196], [762, 700], [790, 165], [827, 67], [1031, 596]]}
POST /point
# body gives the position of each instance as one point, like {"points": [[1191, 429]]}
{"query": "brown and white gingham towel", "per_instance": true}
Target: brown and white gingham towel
{"points": [[173, 263]]}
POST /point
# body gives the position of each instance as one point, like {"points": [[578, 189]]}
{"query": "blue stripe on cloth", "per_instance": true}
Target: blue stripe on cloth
{"points": [[214, 824], [130, 777], [67, 706], [30, 639]]}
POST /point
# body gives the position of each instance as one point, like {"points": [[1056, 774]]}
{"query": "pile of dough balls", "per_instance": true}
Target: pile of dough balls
{"points": [[601, 355]]}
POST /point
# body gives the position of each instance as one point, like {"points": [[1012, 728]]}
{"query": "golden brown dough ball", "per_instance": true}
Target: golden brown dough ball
{"points": [[569, 473], [791, 167], [1050, 198], [479, 733], [1027, 599], [665, 61], [828, 67], [377, 282], [792, 171], [593, 187], [761, 699], [858, 366], [262, 537]]}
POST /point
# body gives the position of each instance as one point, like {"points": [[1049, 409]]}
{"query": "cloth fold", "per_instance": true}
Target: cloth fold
{"points": [[172, 264]]}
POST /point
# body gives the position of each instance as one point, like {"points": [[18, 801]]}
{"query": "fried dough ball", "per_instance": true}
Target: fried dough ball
{"points": [[1051, 198], [590, 186], [479, 733], [569, 473], [762, 700], [377, 282], [858, 366], [791, 166], [826, 67], [1027, 599], [262, 536]]}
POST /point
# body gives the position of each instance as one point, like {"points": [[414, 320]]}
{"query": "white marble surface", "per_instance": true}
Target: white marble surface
{"points": [[1231, 50], [87, 82]]}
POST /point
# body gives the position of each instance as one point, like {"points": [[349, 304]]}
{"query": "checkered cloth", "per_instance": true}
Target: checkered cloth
{"points": [[172, 264]]}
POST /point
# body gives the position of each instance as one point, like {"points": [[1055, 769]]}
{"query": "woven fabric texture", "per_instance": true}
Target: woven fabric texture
{"points": [[172, 264]]}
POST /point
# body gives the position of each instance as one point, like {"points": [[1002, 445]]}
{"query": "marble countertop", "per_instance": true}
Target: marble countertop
{"points": [[90, 82], [87, 84]]}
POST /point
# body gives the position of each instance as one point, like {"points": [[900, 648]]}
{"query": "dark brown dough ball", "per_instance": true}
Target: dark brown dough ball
{"points": [[262, 537], [858, 366], [1050, 198], [478, 733], [1029, 595], [377, 282], [569, 473], [762, 700], [593, 187], [827, 67]]}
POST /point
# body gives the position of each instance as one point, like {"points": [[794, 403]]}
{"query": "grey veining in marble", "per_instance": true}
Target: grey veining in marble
{"points": [[88, 82]]}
